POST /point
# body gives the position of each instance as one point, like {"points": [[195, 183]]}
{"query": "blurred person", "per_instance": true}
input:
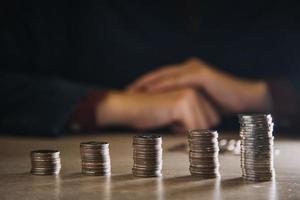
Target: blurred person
{"points": [[66, 64], [229, 93]]}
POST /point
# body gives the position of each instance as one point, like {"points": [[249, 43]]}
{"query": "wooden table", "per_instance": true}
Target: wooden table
{"points": [[176, 183]]}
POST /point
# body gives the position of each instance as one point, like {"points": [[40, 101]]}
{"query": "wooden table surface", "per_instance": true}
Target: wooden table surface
{"points": [[176, 183]]}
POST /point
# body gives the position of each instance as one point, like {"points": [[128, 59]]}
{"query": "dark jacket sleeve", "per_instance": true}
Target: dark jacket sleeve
{"points": [[35, 105], [285, 103], [83, 118], [285, 90]]}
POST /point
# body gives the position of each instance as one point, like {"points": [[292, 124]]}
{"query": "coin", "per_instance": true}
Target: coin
{"points": [[95, 158], [256, 146], [147, 156], [45, 162], [204, 152]]}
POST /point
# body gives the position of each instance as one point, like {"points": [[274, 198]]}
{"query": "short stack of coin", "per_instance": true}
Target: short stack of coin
{"points": [[256, 133], [95, 158], [45, 162], [204, 152], [147, 156]]}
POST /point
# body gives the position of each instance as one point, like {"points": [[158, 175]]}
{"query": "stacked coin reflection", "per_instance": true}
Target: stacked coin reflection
{"points": [[147, 156], [45, 162], [204, 152], [256, 133], [95, 158]]}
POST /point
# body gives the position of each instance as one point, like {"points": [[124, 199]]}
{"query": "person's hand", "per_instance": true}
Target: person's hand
{"points": [[231, 94], [183, 108]]}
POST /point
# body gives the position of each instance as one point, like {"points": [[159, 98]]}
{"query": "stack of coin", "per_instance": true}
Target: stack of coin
{"points": [[204, 152], [147, 156], [95, 158], [256, 133], [45, 162]]}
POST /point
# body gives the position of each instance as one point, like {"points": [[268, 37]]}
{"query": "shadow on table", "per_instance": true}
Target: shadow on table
{"points": [[181, 179], [232, 183], [122, 177], [178, 186], [180, 182], [79, 176]]}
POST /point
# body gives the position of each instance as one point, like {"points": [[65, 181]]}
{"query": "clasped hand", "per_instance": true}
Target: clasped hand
{"points": [[189, 95]]}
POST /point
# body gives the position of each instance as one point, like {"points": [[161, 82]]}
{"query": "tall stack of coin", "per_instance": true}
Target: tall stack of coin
{"points": [[256, 133], [45, 162], [95, 158], [147, 156], [204, 152]]}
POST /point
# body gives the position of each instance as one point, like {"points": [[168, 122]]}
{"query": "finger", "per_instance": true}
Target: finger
{"points": [[168, 83], [190, 114], [153, 76], [163, 85], [185, 119], [200, 118], [210, 112], [179, 80], [195, 117], [188, 122]]}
